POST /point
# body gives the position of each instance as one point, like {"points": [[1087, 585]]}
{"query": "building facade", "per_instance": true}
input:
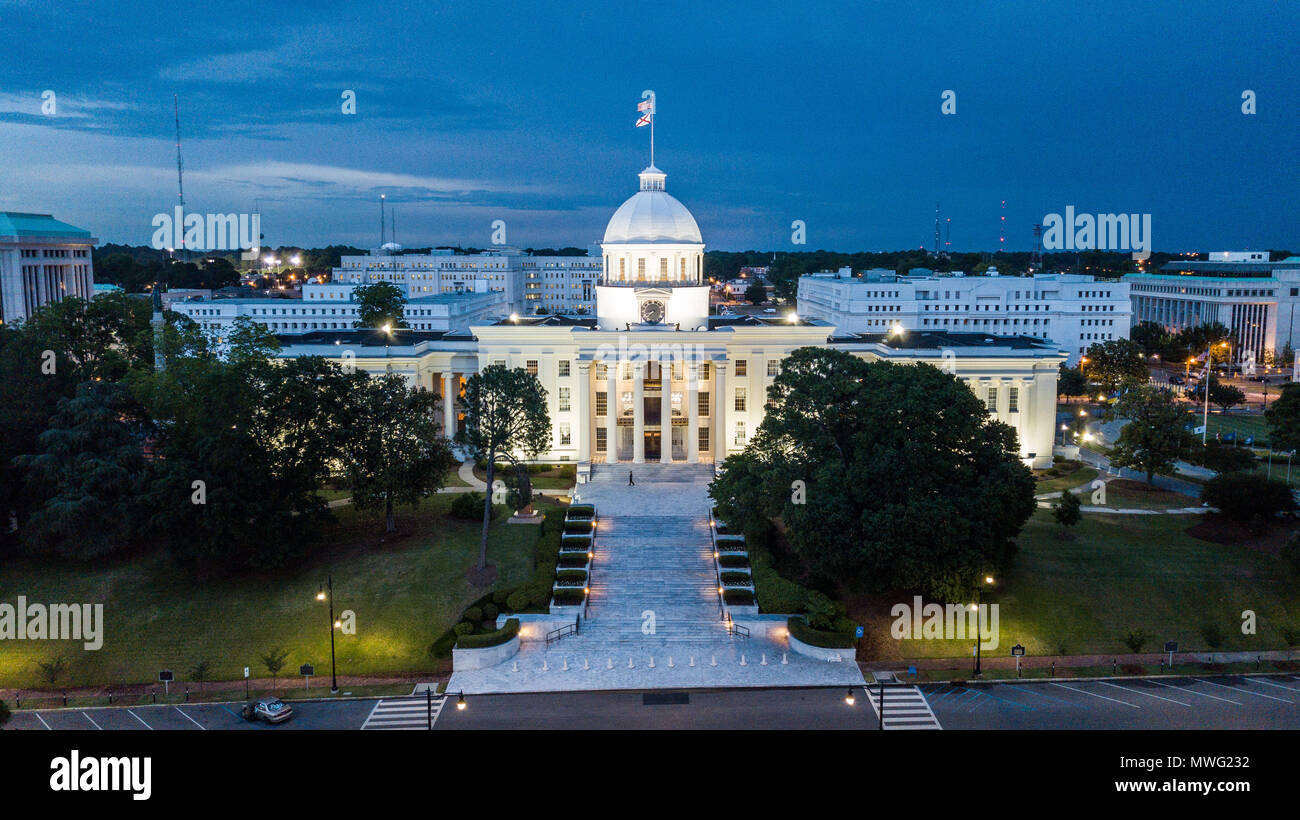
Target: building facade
{"points": [[42, 260], [1254, 298], [1073, 311], [653, 377]]}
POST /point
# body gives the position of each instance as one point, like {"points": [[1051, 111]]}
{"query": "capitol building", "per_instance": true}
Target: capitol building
{"points": [[653, 377]]}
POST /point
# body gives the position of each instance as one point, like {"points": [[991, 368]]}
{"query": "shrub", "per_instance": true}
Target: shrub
{"points": [[801, 631], [463, 628], [518, 600], [474, 615], [572, 577], [469, 507], [822, 611], [1136, 640], [1066, 512], [738, 597], [578, 527], [490, 611], [733, 561], [494, 638], [1212, 634], [568, 596], [572, 560], [735, 579], [1215, 456], [500, 597], [1243, 496], [582, 511], [1291, 635]]}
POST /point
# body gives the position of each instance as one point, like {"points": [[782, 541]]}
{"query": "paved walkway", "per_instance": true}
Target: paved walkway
{"points": [[654, 619]]}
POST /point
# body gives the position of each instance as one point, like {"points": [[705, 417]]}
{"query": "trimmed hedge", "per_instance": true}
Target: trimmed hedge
{"points": [[568, 596], [572, 577], [738, 597], [571, 544], [483, 641], [733, 561], [584, 512], [736, 579], [569, 560], [579, 527], [800, 629]]}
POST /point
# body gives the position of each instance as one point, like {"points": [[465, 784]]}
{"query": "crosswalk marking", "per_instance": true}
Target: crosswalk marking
{"points": [[905, 708], [403, 713]]}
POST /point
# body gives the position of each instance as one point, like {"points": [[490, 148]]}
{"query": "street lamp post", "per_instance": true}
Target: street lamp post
{"points": [[979, 597], [1209, 370], [321, 596]]}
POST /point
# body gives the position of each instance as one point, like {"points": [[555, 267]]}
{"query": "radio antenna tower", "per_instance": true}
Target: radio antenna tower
{"points": [[936, 229], [382, 221], [180, 174], [1037, 262]]}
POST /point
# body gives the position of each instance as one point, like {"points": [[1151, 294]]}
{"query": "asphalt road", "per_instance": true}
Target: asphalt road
{"points": [[1210, 702]]}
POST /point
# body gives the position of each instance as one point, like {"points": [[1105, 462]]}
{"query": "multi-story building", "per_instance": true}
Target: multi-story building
{"points": [[41, 260], [1254, 298], [1070, 310], [530, 284]]}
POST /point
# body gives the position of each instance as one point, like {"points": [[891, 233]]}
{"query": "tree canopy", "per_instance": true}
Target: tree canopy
{"points": [[886, 476], [380, 304], [1156, 434]]}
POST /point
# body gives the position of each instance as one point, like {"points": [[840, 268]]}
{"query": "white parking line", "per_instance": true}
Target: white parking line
{"points": [[137, 717], [190, 719], [1095, 695], [42, 720], [1278, 685], [92, 721], [1194, 692], [1148, 694], [1246, 691]]}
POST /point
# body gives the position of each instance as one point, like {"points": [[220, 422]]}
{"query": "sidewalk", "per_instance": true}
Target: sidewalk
{"points": [[1071, 661]]}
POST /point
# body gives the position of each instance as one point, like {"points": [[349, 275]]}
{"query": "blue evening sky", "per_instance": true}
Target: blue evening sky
{"points": [[469, 112]]}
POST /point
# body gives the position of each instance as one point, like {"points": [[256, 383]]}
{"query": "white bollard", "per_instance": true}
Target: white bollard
{"points": [[566, 664], [742, 661], [586, 663], [670, 661], [514, 667], [784, 662], [652, 661], [544, 666], [629, 663], [713, 660], [609, 664], [692, 663], [764, 663]]}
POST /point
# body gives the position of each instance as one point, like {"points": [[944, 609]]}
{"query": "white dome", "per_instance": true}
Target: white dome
{"points": [[652, 215]]}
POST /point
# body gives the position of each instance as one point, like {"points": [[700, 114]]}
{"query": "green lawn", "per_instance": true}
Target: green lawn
{"points": [[405, 592], [1242, 425], [1122, 573], [1078, 478]]}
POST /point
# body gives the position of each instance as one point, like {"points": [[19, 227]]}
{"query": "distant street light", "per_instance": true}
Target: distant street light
{"points": [[327, 593]]}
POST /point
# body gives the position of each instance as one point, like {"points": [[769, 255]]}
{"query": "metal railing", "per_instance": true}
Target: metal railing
{"points": [[734, 629], [562, 632]]}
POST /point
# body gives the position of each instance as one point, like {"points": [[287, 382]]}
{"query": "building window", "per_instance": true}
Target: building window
{"points": [[640, 269], [531, 367], [565, 437], [742, 367], [602, 370], [991, 402], [740, 399], [499, 363], [564, 399], [564, 367], [773, 366], [663, 268], [601, 439], [704, 371], [1013, 400], [704, 438], [740, 433], [602, 403], [625, 370]]}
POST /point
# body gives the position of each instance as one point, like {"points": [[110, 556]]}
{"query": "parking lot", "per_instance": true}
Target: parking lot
{"points": [[341, 714], [1209, 702]]}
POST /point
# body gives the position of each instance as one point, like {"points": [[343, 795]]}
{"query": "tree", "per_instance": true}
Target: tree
{"points": [[1067, 512], [4, 714], [1226, 396], [380, 304], [755, 294], [1151, 337], [905, 480], [505, 412], [1070, 382], [1248, 496], [1283, 417], [91, 471], [393, 450], [274, 660], [1156, 434], [1113, 362], [244, 444]]}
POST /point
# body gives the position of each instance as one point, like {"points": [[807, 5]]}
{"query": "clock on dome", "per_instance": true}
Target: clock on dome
{"points": [[652, 311]]}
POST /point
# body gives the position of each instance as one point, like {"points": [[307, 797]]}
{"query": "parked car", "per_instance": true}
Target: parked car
{"points": [[271, 710], [1176, 380]]}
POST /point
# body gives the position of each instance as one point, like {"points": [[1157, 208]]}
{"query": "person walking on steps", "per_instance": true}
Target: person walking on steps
{"points": [[630, 482]]}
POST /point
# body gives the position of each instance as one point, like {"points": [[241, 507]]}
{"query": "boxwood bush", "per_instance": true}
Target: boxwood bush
{"points": [[469, 507], [800, 629], [572, 577], [582, 511], [736, 579], [486, 639], [568, 596], [733, 561], [571, 560], [738, 597], [579, 527]]}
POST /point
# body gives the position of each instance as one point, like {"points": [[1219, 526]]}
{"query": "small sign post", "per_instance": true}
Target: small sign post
{"points": [[1171, 647], [307, 670], [1017, 652], [858, 632], [166, 677], [245, 683]]}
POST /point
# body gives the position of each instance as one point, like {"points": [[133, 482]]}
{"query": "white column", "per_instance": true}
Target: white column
{"points": [[693, 412], [719, 411], [583, 428], [638, 413], [448, 405], [611, 412], [666, 412]]}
